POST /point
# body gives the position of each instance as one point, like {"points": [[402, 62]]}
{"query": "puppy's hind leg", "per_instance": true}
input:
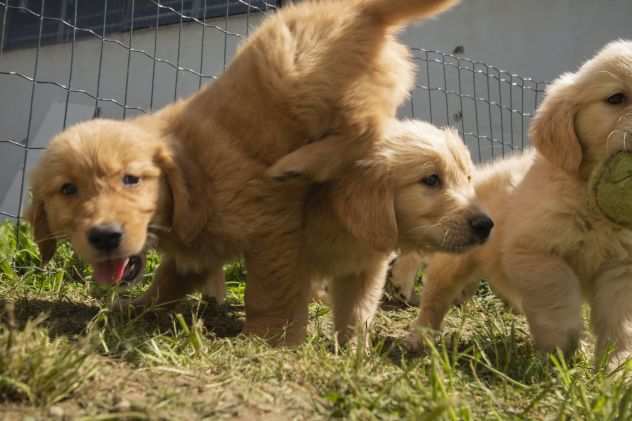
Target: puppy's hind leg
{"points": [[355, 299], [551, 299], [277, 293], [611, 315], [446, 277]]}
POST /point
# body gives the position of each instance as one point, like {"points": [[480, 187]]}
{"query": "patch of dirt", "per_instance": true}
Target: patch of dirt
{"points": [[64, 317], [225, 321], [120, 391]]}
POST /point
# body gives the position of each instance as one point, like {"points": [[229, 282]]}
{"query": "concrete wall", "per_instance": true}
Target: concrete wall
{"points": [[532, 38], [538, 39]]}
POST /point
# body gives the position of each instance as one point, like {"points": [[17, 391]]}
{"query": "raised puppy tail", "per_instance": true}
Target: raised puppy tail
{"points": [[400, 12]]}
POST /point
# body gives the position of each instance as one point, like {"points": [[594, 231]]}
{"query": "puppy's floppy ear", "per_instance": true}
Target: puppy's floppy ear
{"points": [[187, 193], [367, 209], [552, 130], [35, 214]]}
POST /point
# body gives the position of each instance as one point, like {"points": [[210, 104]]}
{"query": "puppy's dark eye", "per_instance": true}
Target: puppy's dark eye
{"points": [[431, 181], [69, 189], [617, 99], [130, 180]]}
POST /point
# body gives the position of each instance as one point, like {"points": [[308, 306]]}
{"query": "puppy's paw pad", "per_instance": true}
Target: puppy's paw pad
{"points": [[414, 342]]}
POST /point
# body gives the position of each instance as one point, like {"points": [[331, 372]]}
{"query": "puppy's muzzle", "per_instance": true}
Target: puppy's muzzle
{"points": [[111, 267], [481, 227], [106, 237]]}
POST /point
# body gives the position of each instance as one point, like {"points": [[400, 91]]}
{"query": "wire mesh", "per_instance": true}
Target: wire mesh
{"points": [[490, 107], [64, 61]]}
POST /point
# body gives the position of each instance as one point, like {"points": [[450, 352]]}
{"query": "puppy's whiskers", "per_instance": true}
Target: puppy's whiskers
{"points": [[608, 141], [157, 227], [426, 226], [54, 236], [625, 115], [613, 133]]}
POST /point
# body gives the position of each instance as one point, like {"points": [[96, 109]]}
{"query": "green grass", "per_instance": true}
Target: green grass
{"points": [[64, 354]]}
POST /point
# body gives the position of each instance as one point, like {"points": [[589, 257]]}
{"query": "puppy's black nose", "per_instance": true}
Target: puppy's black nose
{"points": [[106, 237], [481, 225]]}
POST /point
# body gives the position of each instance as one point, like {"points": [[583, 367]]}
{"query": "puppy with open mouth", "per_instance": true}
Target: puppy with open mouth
{"points": [[101, 215], [313, 88], [119, 270]]}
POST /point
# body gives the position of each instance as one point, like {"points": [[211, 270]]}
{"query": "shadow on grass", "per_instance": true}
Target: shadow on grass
{"points": [[390, 304], [224, 321], [490, 359], [67, 318], [64, 318]]}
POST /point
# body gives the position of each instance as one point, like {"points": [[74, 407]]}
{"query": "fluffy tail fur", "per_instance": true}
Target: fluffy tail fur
{"points": [[399, 12]]}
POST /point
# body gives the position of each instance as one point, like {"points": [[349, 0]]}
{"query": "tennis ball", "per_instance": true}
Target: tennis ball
{"points": [[611, 187]]}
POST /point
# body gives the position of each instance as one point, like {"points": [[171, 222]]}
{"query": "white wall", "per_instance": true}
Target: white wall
{"points": [[533, 38]]}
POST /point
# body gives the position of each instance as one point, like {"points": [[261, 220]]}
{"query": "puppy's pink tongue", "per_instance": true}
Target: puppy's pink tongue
{"points": [[110, 272]]}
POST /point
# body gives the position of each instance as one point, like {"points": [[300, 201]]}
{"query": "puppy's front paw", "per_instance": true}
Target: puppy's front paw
{"points": [[411, 299], [420, 337], [401, 295], [414, 342]]}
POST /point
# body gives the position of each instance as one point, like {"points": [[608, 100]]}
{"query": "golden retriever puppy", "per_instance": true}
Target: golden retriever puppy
{"points": [[191, 176], [550, 249], [411, 191]]}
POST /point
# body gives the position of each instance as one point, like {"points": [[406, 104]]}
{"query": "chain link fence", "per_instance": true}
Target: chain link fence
{"points": [[64, 61]]}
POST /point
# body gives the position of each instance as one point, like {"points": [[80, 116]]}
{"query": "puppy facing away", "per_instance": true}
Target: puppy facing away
{"points": [[191, 178], [411, 191], [550, 250]]}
